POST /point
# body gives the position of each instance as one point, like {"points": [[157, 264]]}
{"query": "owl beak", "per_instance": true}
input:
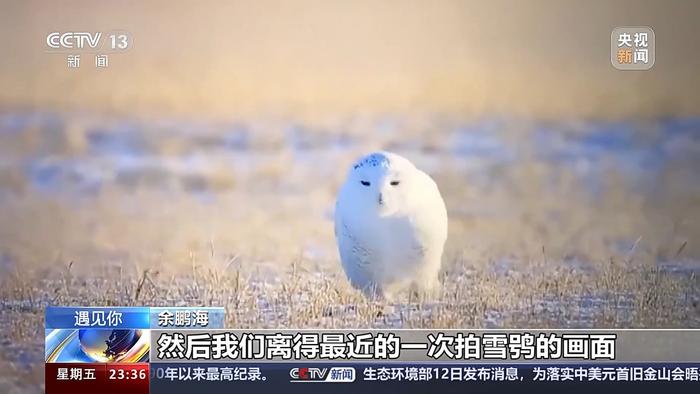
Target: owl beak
{"points": [[380, 199]]}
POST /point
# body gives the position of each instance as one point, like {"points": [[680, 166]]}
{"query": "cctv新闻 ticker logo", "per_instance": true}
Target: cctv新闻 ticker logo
{"points": [[330, 375]]}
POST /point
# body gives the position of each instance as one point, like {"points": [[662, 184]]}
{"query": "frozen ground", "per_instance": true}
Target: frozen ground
{"points": [[552, 224]]}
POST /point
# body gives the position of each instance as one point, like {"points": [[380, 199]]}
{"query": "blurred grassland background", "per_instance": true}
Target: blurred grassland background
{"points": [[201, 167], [324, 58]]}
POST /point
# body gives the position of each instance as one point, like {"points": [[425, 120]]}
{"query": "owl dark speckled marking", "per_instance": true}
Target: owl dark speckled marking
{"points": [[373, 160]]}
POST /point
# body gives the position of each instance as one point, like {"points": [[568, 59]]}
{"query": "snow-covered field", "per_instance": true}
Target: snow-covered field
{"points": [[552, 223]]}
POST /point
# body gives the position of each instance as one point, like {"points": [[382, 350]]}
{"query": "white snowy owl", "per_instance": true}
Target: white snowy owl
{"points": [[391, 226]]}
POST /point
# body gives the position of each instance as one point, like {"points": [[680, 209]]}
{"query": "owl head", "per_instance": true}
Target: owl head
{"points": [[381, 181]]}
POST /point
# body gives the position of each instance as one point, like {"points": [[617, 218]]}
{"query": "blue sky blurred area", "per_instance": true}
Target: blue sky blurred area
{"points": [[545, 59]]}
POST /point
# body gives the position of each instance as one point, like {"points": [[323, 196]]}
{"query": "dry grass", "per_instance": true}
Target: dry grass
{"points": [[615, 295]]}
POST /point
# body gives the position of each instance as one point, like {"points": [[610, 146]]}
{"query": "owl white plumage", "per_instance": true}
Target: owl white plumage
{"points": [[391, 226]]}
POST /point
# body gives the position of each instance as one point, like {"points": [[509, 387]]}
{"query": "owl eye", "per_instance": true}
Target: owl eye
{"points": [[365, 183], [394, 183]]}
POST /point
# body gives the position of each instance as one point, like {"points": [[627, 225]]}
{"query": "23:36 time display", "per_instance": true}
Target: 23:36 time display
{"points": [[127, 374]]}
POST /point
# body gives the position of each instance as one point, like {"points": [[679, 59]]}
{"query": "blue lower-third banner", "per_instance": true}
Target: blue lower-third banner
{"points": [[305, 378]]}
